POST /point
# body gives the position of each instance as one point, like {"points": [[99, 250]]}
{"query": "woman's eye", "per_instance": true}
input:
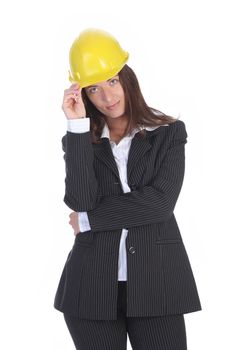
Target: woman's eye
{"points": [[95, 89], [113, 81], [91, 90]]}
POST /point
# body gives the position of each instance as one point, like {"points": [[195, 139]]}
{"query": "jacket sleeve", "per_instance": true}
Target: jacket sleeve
{"points": [[81, 187], [153, 203]]}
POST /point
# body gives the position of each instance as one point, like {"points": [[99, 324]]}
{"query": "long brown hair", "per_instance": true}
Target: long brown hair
{"points": [[138, 112]]}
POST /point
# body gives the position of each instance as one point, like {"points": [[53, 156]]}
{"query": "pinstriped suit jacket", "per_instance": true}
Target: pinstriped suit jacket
{"points": [[160, 280]]}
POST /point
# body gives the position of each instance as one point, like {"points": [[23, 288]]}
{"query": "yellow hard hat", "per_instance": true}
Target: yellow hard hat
{"points": [[95, 56]]}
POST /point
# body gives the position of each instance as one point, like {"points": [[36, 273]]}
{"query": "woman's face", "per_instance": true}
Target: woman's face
{"points": [[108, 97]]}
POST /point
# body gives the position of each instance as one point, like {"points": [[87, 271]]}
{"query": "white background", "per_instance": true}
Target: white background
{"points": [[181, 52]]}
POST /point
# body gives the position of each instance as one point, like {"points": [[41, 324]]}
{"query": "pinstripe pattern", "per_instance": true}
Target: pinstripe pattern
{"points": [[159, 274], [163, 332]]}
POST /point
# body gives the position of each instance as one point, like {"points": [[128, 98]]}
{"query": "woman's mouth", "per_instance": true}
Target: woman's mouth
{"points": [[113, 106]]}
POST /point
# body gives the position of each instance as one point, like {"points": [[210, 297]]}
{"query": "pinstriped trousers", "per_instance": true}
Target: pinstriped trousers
{"points": [[145, 333]]}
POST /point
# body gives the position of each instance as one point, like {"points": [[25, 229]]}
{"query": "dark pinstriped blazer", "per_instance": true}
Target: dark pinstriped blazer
{"points": [[160, 280]]}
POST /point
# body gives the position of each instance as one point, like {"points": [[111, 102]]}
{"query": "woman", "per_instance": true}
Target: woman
{"points": [[128, 271]]}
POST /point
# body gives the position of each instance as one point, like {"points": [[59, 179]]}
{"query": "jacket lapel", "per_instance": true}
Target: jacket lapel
{"points": [[104, 153], [137, 150]]}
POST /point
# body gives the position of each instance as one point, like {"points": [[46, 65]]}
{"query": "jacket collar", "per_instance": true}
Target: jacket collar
{"points": [[105, 131]]}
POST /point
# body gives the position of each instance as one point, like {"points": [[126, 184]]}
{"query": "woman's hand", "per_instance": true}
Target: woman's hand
{"points": [[74, 222], [73, 105]]}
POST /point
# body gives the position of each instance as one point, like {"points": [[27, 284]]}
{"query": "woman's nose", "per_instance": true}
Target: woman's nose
{"points": [[107, 95]]}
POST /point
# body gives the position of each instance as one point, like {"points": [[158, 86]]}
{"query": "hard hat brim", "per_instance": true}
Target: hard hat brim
{"points": [[97, 78]]}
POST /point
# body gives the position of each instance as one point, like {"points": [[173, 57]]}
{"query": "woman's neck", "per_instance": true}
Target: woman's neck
{"points": [[117, 126]]}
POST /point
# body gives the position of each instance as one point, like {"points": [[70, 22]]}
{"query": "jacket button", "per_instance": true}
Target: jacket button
{"points": [[133, 187], [132, 250]]}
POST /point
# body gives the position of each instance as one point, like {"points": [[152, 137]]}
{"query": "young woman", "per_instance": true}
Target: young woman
{"points": [[128, 271]]}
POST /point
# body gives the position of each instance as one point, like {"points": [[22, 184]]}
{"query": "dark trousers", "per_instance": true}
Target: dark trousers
{"points": [[145, 333]]}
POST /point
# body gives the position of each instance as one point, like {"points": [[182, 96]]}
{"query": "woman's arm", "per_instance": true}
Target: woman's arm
{"points": [[81, 185]]}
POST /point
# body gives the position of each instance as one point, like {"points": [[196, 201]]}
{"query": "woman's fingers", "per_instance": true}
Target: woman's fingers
{"points": [[74, 222], [73, 105], [73, 87]]}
